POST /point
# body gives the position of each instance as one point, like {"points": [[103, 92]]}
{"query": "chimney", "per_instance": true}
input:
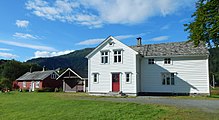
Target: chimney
{"points": [[139, 41], [30, 69], [43, 68]]}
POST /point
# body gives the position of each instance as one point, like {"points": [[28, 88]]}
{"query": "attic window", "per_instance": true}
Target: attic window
{"points": [[167, 60], [53, 76], [151, 61], [111, 43]]}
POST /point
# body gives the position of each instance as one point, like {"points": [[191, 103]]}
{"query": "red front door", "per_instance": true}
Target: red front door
{"points": [[115, 82]]}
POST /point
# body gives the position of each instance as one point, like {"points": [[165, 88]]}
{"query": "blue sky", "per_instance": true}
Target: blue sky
{"points": [[45, 28]]}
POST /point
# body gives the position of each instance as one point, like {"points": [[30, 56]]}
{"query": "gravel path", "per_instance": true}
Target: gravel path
{"points": [[204, 105]]}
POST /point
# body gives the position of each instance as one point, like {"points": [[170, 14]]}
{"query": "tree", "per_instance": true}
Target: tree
{"points": [[205, 25], [10, 70]]}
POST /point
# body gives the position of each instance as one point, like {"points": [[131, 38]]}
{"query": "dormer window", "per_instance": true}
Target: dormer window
{"points": [[104, 57]]}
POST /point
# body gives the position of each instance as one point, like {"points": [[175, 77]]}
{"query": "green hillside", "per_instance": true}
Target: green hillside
{"points": [[75, 60]]}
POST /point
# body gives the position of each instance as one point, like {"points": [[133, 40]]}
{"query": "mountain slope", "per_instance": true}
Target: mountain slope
{"points": [[75, 60]]}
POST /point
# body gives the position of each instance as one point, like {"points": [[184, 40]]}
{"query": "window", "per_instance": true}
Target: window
{"points": [[117, 56], [24, 84], [37, 84], [167, 61], [111, 43], [151, 61], [168, 79], [53, 76], [95, 77], [128, 77], [105, 57]]}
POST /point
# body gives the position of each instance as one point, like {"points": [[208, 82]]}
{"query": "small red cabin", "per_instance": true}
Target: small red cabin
{"points": [[39, 80]]}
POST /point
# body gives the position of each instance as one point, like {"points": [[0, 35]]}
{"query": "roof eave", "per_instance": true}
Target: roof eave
{"points": [[195, 55], [88, 56]]}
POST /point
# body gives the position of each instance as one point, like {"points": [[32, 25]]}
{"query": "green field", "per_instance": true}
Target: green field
{"points": [[57, 106]]}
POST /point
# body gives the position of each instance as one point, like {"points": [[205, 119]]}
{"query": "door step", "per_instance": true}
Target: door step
{"points": [[116, 93]]}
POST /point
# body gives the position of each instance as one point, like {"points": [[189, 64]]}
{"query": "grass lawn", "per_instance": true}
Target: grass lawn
{"points": [[56, 106]]}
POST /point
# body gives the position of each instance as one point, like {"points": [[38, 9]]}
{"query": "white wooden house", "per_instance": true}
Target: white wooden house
{"points": [[175, 68]]}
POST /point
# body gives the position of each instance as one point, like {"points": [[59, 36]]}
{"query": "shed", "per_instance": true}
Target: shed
{"points": [[72, 81]]}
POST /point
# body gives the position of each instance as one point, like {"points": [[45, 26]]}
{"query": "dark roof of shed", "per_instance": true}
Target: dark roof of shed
{"points": [[171, 49], [37, 75], [79, 73]]}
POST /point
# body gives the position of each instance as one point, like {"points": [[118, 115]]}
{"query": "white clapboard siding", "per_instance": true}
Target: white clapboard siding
{"points": [[104, 70], [191, 75]]}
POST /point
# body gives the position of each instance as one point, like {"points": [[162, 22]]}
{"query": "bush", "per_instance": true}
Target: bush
{"points": [[60, 90], [39, 90], [25, 90], [56, 90], [47, 89]]}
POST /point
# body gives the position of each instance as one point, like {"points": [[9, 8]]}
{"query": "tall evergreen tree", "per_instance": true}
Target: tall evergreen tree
{"points": [[205, 25]]}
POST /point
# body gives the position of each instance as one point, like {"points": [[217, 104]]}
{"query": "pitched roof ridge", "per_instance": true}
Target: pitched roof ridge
{"points": [[161, 43], [42, 71]]}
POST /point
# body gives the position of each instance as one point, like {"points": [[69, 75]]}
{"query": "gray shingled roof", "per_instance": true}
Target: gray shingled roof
{"points": [[171, 49], [38, 75]]}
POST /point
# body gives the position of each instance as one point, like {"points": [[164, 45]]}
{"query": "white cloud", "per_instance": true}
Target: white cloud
{"points": [[38, 54], [121, 37], [98, 40], [90, 41], [165, 27], [24, 35], [22, 23], [25, 45], [7, 55], [96, 13], [5, 49], [59, 10], [160, 38]]}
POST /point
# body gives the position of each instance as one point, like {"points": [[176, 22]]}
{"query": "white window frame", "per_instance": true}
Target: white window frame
{"points": [[95, 75], [130, 77], [167, 61], [116, 55], [37, 84], [151, 61], [53, 76], [24, 84], [168, 76], [103, 55]]}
